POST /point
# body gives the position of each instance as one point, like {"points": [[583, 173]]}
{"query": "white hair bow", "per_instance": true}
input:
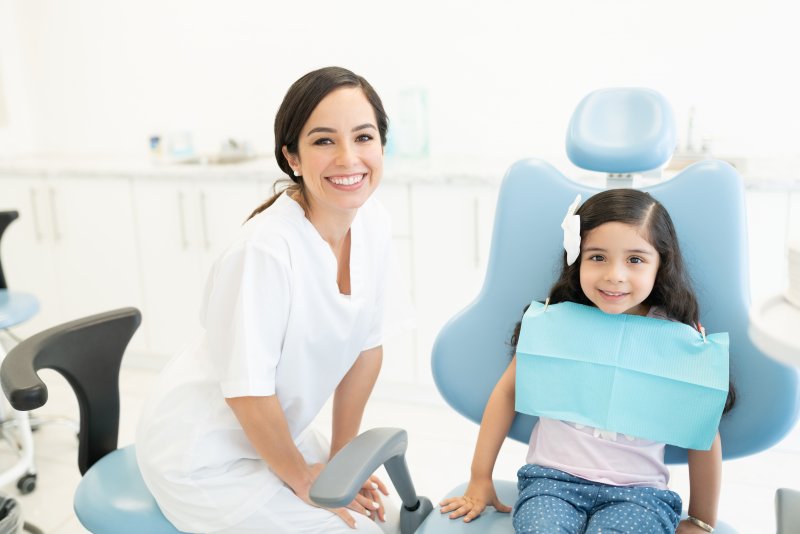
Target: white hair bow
{"points": [[572, 231]]}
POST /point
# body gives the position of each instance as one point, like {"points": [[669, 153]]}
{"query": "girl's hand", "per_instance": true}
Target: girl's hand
{"points": [[686, 527], [478, 496], [315, 470], [368, 500]]}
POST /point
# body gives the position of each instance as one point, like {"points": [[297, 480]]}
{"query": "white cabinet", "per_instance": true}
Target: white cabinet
{"points": [[451, 228], [183, 225], [28, 247], [74, 246], [442, 234]]}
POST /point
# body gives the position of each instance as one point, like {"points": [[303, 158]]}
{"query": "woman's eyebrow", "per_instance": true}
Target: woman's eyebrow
{"points": [[326, 129]]}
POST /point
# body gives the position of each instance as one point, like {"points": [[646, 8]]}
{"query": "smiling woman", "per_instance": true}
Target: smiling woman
{"points": [[293, 313]]}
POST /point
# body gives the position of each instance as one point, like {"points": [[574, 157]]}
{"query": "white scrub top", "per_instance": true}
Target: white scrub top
{"points": [[274, 323]]}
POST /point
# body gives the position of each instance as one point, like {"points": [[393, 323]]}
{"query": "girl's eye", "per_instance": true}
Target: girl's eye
{"points": [[636, 259], [596, 257], [323, 141]]}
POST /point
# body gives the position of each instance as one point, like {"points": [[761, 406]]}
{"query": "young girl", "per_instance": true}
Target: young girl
{"points": [[580, 479]]}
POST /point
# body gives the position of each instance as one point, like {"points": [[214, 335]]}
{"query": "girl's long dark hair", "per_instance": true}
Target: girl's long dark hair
{"points": [[300, 101], [672, 290]]}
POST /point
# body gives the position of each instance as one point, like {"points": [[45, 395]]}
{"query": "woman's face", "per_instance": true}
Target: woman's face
{"points": [[339, 152]]}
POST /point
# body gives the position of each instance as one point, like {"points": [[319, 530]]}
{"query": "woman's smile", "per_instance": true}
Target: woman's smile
{"points": [[347, 182]]}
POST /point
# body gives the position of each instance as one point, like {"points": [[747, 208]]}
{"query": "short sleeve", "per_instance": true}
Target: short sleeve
{"points": [[246, 315]]}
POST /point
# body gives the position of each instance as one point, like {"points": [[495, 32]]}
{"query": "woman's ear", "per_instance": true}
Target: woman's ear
{"points": [[294, 161]]}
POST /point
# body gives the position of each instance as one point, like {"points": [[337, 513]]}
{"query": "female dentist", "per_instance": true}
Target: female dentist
{"points": [[293, 313]]}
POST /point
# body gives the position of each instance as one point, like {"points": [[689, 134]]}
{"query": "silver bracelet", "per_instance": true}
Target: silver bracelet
{"points": [[702, 524]]}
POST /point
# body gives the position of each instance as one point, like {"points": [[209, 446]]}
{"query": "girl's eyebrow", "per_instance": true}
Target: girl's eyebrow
{"points": [[325, 129], [629, 251]]}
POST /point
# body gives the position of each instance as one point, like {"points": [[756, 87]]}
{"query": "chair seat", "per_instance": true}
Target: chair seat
{"points": [[490, 521], [493, 522], [16, 307], [112, 498]]}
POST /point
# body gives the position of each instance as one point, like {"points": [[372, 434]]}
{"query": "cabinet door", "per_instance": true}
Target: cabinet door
{"points": [[27, 249], [95, 245], [451, 232], [170, 253], [183, 226]]}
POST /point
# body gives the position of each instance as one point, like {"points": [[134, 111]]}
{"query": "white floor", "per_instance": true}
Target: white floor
{"points": [[440, 450]]}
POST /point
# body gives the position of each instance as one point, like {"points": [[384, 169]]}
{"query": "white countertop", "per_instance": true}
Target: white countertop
{"points": [[462, 171]]}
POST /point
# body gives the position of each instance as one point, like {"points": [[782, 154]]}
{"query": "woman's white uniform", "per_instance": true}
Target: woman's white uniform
{"points": [[274, 323]]}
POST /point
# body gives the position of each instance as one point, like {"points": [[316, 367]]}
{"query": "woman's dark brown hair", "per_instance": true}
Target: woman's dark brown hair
{"points": [[300, 101]]}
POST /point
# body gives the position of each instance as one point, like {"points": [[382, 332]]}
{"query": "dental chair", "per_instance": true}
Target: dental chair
{"points": [[622, 132], [111, 497]]}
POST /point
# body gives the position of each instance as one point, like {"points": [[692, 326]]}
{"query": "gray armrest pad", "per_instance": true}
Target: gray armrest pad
{"points": [[787, 509], [344, 475]]}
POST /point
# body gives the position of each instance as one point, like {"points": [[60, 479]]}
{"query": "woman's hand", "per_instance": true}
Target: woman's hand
{"points": [[687, 527], [368, 500], [303, 493], [478, 496]]}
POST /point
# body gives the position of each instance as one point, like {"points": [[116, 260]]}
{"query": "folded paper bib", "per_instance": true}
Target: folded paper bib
{"points": [[645, 377]]}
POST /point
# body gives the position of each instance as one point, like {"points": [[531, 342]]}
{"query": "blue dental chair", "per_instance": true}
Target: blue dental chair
{"points": [[111, 497], [621, 132]]}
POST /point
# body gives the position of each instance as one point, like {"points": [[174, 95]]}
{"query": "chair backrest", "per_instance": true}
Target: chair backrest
{"points": [[6, 218], [88, 353], [706, 202]]}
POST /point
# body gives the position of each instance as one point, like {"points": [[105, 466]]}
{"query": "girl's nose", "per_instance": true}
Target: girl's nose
{"points": [[615, 273]]}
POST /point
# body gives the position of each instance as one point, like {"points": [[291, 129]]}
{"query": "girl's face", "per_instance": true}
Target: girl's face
{"points": [[618, 268], [339, 152]]}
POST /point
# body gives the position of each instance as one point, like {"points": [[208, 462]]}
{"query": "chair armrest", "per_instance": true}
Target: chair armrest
{"points": [[346, 472]]}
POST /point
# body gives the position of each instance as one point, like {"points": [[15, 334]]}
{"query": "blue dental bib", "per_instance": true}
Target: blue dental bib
{"points": [[650, 378]]}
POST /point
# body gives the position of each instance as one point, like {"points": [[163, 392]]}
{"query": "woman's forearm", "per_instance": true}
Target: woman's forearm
{"points": [[264, 423], [705, 478], [351, 397], [497, 419]]}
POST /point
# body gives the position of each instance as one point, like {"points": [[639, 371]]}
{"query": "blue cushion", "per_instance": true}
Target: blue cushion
{"points": [[490, 521], [16, 307], [112, 498], [621, 130]]}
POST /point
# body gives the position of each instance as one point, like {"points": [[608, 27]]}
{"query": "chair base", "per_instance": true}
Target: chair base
{"points": [[112, 498]]}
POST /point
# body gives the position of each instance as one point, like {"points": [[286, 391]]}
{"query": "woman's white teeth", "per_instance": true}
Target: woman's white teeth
{"points": [[349, 180]]}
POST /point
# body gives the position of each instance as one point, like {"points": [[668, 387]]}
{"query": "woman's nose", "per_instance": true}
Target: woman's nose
{"points": [[345, 154]]}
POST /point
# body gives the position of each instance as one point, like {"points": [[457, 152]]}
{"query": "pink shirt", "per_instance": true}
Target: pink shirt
{"points": [[599, 455]]}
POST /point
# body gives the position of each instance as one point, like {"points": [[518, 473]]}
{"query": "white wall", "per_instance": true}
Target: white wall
{"points": [[99, 76]]}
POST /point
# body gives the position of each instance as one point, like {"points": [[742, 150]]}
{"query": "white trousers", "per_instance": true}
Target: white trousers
{"points": [[286, 513]]}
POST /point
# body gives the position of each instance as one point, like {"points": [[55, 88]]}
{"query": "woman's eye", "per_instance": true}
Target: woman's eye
{"points": [[364, 137], [323, 141]]}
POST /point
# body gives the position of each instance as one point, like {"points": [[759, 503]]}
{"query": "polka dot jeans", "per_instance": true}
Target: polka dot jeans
{"points": [[553, 502]]}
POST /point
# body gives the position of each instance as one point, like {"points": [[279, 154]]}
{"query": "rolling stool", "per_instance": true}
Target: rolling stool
{"points": [[15, 308]]}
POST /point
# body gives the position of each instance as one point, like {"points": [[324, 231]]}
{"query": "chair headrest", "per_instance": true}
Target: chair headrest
{"points": [[621, 130]]}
